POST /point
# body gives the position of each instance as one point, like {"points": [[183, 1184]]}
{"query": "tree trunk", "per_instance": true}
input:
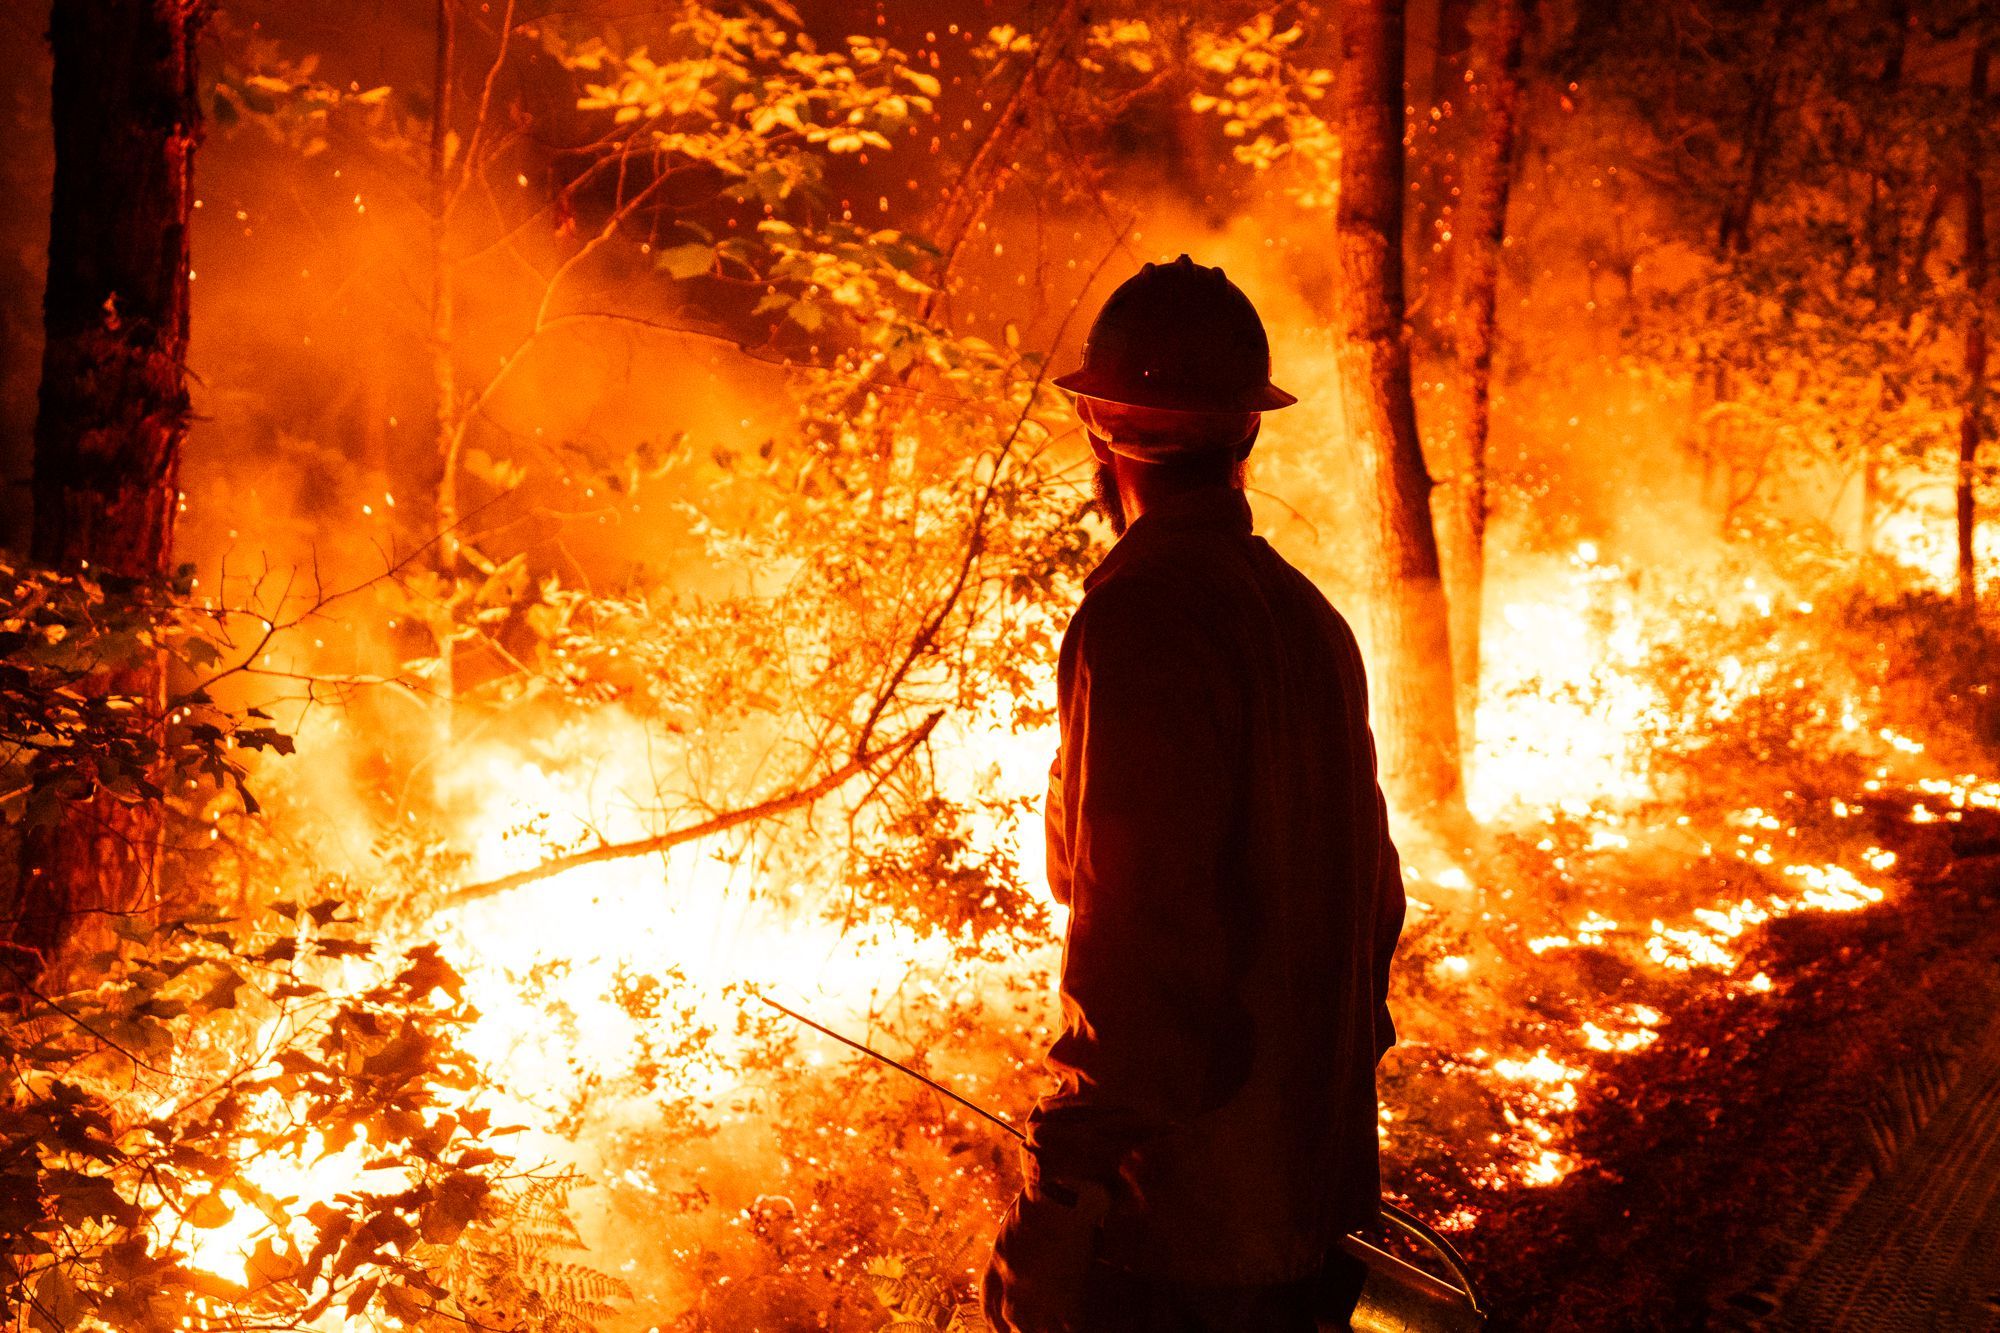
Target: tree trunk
{"points": [[1451, 52], [1972, 420], [1733, 231], [1883, 237], [113, 402], [1192, 166], [1485, 222], [1871, 502], [1407, 619], [448, 422]]}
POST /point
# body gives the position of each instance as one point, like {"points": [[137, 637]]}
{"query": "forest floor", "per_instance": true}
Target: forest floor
{"points": [[1749, 1157], [1920, 1248]]}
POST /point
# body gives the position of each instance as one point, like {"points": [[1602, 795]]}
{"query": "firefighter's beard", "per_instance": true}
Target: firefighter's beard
{"points": [[1110, 502]]}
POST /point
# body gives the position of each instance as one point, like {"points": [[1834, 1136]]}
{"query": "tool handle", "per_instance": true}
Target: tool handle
{"points": [[928, 1082], [1408, 1224], [1443, 1248]]}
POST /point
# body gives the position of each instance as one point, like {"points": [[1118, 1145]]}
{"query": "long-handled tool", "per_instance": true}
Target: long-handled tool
{"points": [[1397, 1297]]}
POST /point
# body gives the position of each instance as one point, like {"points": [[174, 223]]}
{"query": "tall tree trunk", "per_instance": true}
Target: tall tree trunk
{"points": [[1732, 240], [1972, 420], [1485, 222], [1759, 137], [1870, 519], [448, 419], [1191, 143], [114, 403], [1451, 51], [1406, 616], [1883, 239]]}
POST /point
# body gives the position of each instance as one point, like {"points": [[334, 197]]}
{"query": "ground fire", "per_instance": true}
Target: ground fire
{"points": [[529, 639]]}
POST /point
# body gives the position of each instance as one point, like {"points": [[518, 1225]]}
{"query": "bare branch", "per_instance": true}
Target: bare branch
{"points": [[975, 540], [894, 752]]}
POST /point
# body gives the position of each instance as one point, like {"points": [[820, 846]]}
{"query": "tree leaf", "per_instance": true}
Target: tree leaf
{"points": [[686, 261], [210, 1211]]}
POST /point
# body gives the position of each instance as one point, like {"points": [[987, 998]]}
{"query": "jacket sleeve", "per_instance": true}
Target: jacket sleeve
{"points": [[1143, 807], [1390, 907], [1391, 903]]}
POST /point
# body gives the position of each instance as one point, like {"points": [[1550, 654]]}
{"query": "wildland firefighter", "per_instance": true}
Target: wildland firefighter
{"points": [[1216, 829]]}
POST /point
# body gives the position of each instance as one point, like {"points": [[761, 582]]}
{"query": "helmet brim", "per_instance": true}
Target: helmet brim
{"points": [[1085, 382]]}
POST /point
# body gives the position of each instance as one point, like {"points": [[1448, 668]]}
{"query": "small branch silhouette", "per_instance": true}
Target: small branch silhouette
{"points": [[893, 752]]}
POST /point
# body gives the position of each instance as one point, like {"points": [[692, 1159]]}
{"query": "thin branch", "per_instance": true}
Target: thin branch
{"points": [[469, 157], [975, 540], [777, 805]]}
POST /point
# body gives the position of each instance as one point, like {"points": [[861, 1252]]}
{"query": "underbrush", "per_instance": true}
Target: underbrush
{"points": [[252, 1123], [1702, 1151]]}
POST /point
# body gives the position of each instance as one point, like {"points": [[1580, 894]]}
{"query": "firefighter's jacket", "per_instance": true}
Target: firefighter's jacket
{"points": [[1216, 830]]}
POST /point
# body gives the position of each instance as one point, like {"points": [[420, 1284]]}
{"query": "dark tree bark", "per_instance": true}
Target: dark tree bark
{"points": [[1972, 419], [1732, 242], [1485, 223], [1759, 137], [1883, 237], [1414, 708], [449, 420], [114, 404], [1451, 51]]}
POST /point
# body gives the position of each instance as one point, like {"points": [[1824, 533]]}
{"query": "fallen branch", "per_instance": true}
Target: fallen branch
{"points": [[777, 805]]}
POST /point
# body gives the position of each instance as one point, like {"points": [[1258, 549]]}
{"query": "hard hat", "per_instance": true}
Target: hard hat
{"points": [[1180, 337]]}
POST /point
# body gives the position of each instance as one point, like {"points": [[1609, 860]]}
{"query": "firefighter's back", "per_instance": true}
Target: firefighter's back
{"points": [[1256, 1189]]}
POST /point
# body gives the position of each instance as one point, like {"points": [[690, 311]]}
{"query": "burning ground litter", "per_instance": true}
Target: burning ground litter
{"points": [[732, 1167]]}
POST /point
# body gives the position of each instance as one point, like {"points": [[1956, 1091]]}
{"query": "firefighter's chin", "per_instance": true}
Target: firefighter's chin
{"points": [[1111, 504]]}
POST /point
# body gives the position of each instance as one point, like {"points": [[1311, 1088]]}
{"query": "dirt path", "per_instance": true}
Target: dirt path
{"points": [[1920, 1248]]}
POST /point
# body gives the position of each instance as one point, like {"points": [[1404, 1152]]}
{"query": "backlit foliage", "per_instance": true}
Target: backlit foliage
{"points": [[698, 641]]}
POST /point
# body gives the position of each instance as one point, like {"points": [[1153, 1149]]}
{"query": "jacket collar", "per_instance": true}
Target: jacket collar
{"points": [[1215, 507]]}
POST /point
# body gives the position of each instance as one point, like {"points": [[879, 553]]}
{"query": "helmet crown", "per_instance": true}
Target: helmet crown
{"points": [[1180, 337]]}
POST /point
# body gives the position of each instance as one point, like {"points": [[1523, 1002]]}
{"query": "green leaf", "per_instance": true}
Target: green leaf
{"points": [[357, 1300], [57, 1303], [460, 1200], [264, 738], [402, 1303], [270, 1266], [686, 261]]}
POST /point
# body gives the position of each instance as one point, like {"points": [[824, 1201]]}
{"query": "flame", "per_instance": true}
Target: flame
{"points": [[1569, 720], [1547, 1093], [312, 1175], [700, 916], [1562, 708]]}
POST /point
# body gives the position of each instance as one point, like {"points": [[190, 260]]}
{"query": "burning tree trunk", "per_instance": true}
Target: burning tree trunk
{"points": [[114, 403], [448, 422], [1451, 50], [1407, 615], [1972, 420], [1886, 264], [1733, 231], [1485, 224]]}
